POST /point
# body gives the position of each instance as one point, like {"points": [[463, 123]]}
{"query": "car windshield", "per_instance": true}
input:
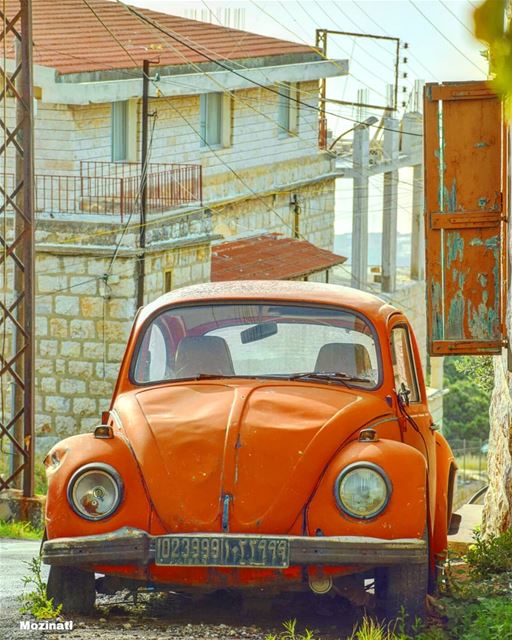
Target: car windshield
{"points": [[258, 340]]}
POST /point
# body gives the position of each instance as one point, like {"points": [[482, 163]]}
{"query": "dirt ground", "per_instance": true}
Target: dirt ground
{"points": [[217, 617]]}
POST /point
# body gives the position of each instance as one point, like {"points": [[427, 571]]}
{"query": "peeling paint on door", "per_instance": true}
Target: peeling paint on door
{"points": [[464, 183]]}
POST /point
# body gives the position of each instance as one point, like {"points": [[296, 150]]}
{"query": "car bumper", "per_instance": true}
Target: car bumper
{"points": [[128, 546]]}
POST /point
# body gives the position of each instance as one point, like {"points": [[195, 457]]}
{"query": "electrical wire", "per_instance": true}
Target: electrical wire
{"points": [[172, 35], [368, 53], [304, 42], [445, 5], [449, 40], [243, 197], [386, 33]]}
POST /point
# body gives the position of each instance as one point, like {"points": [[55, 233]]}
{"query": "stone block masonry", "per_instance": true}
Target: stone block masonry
{"points": [[83, 317]]}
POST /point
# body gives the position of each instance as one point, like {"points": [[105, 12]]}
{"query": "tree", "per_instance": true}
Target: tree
{"points": [[466, 406]]}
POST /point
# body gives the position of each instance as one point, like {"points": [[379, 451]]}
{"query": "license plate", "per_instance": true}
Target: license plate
{"points": [[222, 551]]}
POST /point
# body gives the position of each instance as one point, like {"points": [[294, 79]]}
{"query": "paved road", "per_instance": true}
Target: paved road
{"points": [[165, 617]]}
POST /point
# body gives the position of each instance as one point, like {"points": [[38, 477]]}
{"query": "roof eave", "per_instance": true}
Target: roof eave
{"points": [[59, 91]]}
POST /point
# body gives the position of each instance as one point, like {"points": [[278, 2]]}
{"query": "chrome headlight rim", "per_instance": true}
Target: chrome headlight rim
{"points": [[353, 467], [104, 468]]}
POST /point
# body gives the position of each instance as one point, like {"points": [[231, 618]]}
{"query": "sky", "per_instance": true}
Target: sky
{"points": [[440, 47]]}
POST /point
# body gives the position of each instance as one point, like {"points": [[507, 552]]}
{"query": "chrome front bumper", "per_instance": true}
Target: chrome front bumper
{"points": [[134, 546]]}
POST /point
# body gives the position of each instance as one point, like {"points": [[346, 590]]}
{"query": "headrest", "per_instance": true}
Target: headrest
{"points": [[202, 354], [353, 359]]}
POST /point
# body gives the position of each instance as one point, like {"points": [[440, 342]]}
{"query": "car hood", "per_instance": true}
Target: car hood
{"points": [[239, 456]]}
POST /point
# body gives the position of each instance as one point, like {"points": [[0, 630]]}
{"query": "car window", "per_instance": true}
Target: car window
{"points": [[297, 347], [267, 339], [403, 363]]}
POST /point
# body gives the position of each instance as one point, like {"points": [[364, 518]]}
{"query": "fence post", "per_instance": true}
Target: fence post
{"points": [[464, 459], [121, 197]]}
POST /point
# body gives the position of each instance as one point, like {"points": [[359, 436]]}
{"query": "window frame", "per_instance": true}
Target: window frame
{"points": [[127, 127], [156, 314], [224, 138], [288, 109], [416, 394]]}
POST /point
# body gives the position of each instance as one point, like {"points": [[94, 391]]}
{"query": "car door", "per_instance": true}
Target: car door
{"points": [[410, 397]]}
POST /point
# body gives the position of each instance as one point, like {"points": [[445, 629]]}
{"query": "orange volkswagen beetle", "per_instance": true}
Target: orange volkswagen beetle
{"points": [[262, 435]]}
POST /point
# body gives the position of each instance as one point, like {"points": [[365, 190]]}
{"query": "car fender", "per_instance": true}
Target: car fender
{"points": [[71, 454], [446, 468], [405, 514]]}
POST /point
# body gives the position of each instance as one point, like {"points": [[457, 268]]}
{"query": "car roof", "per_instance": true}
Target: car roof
{"points": [[274, 290]]}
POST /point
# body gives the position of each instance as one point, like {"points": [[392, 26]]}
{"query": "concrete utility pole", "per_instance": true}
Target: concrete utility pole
{"points": [[17, 254], [360, 155], [143, 184], [390, 205]]}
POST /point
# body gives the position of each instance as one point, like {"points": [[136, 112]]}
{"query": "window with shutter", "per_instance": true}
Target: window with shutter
{"points": [[465, 146]]}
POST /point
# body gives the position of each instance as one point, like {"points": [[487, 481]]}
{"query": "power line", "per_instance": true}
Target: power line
{"points": [[304, 42], [434, 26], [157, 26], [375, 75], [381, 28], [456, 17], [232, 170]]}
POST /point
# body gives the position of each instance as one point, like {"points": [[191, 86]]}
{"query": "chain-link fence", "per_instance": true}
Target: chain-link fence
{"points": [[472, 475]]}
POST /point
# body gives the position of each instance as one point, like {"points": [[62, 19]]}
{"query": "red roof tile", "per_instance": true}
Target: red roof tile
{"points": [[269, 257], [68, 37]]}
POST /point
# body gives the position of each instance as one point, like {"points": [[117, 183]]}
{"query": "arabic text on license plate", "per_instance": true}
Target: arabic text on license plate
{"points": [[226, 551]]}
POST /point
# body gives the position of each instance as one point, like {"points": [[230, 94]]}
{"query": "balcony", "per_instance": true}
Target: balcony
{"points": [[107, 188]]}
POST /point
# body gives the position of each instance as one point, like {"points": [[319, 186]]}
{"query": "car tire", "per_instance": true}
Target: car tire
{"points": [[402, 589], [72, 588]]}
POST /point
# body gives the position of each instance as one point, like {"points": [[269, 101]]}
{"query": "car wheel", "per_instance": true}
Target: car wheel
{"points": [[403, 588], [72, 588]]}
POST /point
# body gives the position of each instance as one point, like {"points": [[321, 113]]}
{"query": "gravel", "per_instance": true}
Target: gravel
{"points": [[219, 617]]}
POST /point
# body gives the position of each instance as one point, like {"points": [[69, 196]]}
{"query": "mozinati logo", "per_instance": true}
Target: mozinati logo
{"points": [[46, 625]]}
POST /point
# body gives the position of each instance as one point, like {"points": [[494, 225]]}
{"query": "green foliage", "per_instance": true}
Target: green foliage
{"points": [[488, 556], [290, 633], [40, 485], [490, 27], [478, 609], [370, 629], [36, 602], [466, 406], [478, 369], [20, 530]]}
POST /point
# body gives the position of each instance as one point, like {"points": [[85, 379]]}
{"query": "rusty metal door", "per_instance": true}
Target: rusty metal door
{"points": [[465, 213]]}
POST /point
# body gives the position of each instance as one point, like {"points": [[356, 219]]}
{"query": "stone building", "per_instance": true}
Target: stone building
{"points": [[233, 148]]}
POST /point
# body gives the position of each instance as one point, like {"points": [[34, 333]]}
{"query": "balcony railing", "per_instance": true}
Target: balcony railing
{"points": [[106, 188]]}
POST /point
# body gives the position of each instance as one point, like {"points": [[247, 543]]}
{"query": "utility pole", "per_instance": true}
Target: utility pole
{"points": [[143, 184], [17, 253], [360, 154]]}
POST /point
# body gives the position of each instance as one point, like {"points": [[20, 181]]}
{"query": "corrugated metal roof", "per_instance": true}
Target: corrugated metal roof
{"points": [[269, 257], [69, 38]]}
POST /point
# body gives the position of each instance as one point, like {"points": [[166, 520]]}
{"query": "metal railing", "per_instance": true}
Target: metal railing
{"points": [[106, 188]]}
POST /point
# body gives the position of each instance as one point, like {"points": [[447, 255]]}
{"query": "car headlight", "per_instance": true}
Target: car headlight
{"points": [[95, 491], [362, 490]]}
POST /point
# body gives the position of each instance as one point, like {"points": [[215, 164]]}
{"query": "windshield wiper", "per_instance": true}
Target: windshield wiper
{"points": [[333, 376]]}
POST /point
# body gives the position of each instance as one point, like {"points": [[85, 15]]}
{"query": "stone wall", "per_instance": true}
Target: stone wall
{"points": [[274, 213], [83, 317], [497, 516]]}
